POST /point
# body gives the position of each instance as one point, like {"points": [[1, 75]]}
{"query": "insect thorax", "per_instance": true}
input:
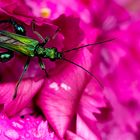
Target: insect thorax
{"points": [[50, 53]]}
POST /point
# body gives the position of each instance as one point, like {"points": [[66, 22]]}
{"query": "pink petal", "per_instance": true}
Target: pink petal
{"points": [[60, 96], [92, 100], [26, 91], [72, 136], [85, 130]]}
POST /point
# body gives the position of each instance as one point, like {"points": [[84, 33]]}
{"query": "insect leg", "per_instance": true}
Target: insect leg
{"points": [[42, 66], [40, 36], [24, 70], [5, 21], [6, 56], [18, 28], [55, 33], [35, 32], [53, 37]]}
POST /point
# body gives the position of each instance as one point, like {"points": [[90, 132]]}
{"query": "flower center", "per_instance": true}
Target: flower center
{"points": [[45, 12]]}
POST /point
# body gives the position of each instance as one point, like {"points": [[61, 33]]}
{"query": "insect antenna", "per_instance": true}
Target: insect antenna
{"points": [[92, 44], [84, 70]]}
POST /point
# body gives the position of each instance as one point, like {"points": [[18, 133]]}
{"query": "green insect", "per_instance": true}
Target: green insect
{"points": [[18, 42]]}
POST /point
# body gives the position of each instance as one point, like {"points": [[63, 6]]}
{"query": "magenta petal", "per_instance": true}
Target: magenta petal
{"points": [[16, 9], [87, 129], [27, 90], [91, 100], [60, 96], [71, 136], [70, 28]]}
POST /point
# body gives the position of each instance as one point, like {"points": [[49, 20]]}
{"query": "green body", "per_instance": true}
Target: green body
{"points": [[20, 43]]}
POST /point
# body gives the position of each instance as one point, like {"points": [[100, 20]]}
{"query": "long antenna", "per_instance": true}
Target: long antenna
{"points": [[88, 45], [84, 70]]}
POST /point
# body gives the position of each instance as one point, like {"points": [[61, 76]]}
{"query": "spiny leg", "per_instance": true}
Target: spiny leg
{"points": [[35, 32], [55, 33], [42, 66], [21, 76], [5, 21], [40, 36], [18, 28], [44, 41], [53, 37]]}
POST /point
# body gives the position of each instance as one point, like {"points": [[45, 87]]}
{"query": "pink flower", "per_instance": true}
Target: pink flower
{"points": [[70, 100], [24, 103], [53, 9]]}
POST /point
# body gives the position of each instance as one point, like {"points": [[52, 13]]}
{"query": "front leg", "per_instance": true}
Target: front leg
{"points": [[21, 76], [42, 65], [44, 41], [35, 32], [52, 37]]}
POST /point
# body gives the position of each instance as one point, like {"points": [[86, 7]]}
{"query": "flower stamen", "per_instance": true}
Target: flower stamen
{"points": [[45, 12]]}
